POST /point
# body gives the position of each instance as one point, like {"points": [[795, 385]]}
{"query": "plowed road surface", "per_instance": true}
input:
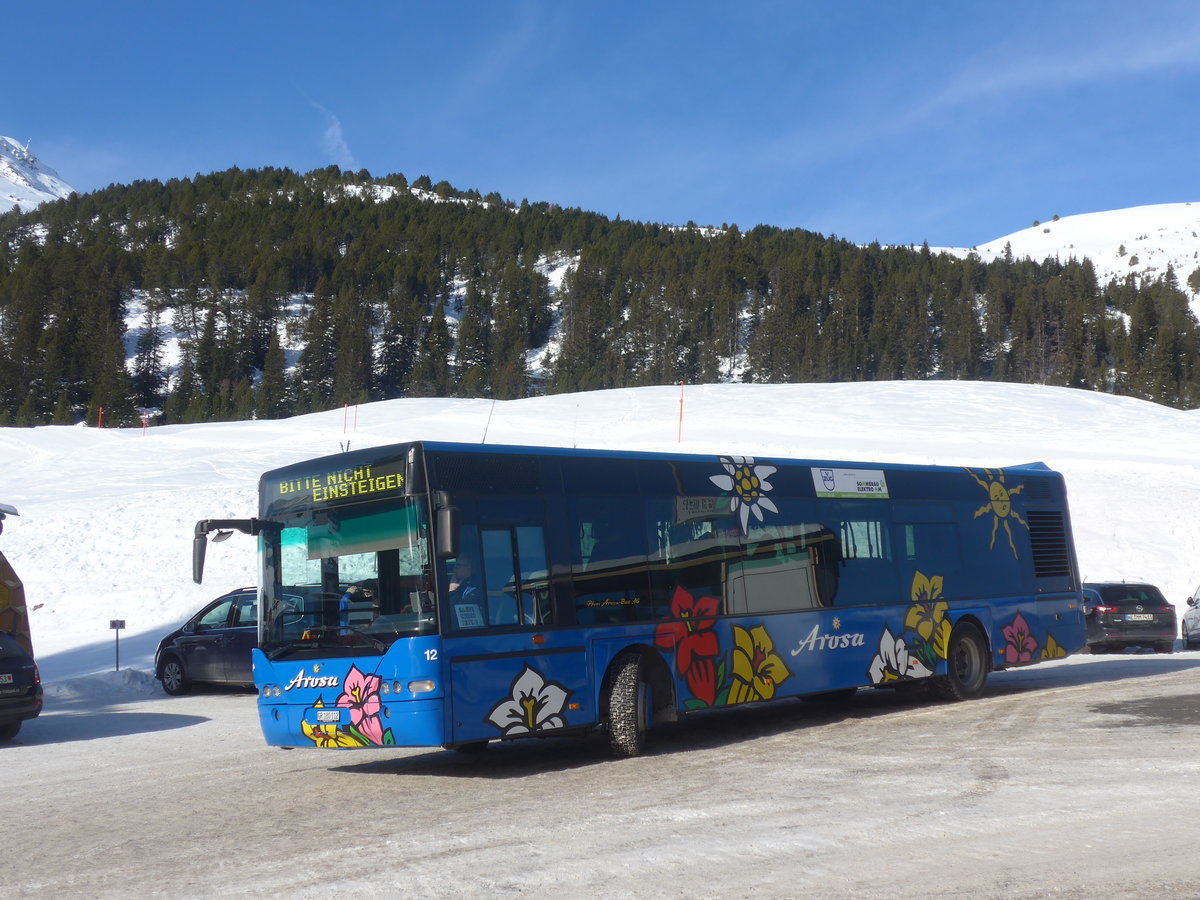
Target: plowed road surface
{"points": [[1072, 779]]}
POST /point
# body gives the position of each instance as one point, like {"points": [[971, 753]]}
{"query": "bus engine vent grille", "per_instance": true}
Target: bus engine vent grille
{"points": [[1048, 535], [1038, 489], [483, 472]]}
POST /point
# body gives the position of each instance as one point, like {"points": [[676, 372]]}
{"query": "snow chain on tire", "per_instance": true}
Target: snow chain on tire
{"points": [[626, 717]]}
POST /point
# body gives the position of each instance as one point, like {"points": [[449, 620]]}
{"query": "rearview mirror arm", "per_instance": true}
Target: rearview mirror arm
{"points": [[251, 527]]}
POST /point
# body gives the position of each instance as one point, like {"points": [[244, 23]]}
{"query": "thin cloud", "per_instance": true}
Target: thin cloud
{"points": [[1060, 71], [333, 140]]}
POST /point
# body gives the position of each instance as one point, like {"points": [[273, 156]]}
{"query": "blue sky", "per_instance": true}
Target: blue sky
{"points": [[902, 122]]}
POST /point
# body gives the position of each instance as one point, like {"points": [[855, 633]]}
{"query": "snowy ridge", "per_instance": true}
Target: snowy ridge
{"points": [[1143, 241], [24, 180]]}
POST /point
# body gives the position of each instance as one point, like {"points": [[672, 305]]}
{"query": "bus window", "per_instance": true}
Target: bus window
{"points": [[867, 575], [533, 576], [608, 560], [688, 551], [785, 567], [930, 548], [467, 583]]}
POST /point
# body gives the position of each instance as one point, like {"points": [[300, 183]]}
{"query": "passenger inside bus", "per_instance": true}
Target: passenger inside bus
{"points": [[359, 606], [466, 596]]}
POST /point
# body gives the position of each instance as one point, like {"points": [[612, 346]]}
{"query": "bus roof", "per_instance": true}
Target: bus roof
{"points": [[394, 452]]}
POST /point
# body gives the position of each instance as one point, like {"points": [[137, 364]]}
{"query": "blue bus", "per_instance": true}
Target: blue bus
{"points": [[447, 595]]}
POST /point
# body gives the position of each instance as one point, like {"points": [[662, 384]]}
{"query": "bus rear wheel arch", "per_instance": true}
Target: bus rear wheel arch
{"points": [[636, 694], [967, 661]]}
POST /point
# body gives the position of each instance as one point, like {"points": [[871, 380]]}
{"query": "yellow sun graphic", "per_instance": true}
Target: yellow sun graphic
{"points": [[999, 505]]}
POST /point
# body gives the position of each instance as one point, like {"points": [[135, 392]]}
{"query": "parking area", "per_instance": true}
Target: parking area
{"points": [[1014, 795]]}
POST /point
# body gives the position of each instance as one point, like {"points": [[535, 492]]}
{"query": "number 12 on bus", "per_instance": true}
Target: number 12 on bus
{"points": [[446, 595]]}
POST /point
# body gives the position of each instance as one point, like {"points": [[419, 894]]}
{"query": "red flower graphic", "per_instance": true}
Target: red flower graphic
{"points": [[689, 633]]}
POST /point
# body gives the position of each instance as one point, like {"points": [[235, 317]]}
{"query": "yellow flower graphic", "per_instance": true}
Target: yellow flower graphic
{"points": [[927, 615], [328, 736], [757, 670], [1053, 650]]}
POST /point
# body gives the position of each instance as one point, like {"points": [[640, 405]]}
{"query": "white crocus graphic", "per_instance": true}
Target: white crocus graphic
{"points": [[749, 485], [894, 662], [535, 705]]}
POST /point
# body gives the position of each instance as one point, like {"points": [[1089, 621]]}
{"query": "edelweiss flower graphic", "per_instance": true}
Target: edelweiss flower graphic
{"points": [[749, 485], [535, 705]]}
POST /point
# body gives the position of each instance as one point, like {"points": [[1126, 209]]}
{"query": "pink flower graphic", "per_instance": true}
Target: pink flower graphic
{"points": [[1019, 644], [360, 695]]}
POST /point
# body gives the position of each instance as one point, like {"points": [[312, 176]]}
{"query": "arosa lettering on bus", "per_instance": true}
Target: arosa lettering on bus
{"points": [[300, 489], [300, 680], [818, 641]]}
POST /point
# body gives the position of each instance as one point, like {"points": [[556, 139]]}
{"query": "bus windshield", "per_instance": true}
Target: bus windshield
{"points": [[349, 579]]}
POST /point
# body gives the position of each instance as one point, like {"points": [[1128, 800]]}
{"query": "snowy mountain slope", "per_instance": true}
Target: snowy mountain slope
{"points": [[24, 180], [1142, 241]]}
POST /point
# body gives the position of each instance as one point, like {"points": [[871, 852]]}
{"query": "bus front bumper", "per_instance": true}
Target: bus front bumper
{"points": [[395, 723]]}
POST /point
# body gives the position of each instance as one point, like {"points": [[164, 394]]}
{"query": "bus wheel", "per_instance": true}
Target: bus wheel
{"points": [[966, 665], [628, 702]]}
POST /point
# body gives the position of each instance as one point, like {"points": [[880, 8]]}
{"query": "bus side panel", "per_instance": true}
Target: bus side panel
{"points": [[507, 686], [727, 662]]}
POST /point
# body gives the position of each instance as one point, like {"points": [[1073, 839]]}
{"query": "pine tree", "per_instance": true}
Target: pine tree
{"points": [[149, 378], [270, 399], [471, 356], [431, 370]]}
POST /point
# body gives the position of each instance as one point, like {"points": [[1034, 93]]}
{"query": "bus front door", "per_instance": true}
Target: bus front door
{"points": [[511, 675]]}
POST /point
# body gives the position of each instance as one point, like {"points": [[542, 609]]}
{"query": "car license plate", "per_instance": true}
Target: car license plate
{"points": [[329, 715], [1139, 617], [6, 678]]}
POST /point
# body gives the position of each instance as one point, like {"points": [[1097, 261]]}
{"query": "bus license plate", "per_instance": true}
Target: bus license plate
{"points": [[1139, 617], [329, 715]]}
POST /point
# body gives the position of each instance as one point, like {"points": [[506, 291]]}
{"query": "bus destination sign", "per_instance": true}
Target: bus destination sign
{"points": [[336, 485]]}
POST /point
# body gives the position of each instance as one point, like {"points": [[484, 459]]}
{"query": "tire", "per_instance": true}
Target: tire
{"points": [[174, 677], [966, 665], [9, 731], [1188, 643], [627, 706]]}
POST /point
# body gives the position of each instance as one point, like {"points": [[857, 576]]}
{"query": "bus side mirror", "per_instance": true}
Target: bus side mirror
{"points": [[447, 532], [199, 545]]}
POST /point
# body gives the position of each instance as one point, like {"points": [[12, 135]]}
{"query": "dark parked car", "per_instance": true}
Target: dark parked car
{"points": [[1123, 615], [20, 687], [213, 646], [1190, 624]]}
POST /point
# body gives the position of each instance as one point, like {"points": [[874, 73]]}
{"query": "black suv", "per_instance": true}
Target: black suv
{"points": [[1121, 614], [20, 687]]}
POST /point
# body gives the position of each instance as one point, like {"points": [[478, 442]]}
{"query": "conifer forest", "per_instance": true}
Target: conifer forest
{"points": [[293, 293]]}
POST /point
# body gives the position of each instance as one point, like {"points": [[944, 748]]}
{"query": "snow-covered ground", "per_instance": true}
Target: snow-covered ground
{"points": [[1027, 792], [107, 515]]}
